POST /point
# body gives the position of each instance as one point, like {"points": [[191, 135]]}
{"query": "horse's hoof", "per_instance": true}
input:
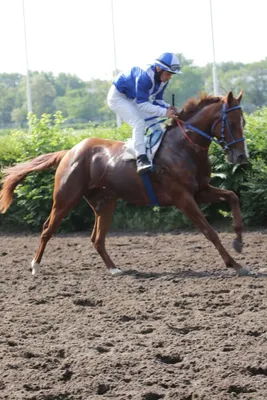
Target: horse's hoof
{"points": [[35, 267], [115, 271], [244, 272], [238, 246]]}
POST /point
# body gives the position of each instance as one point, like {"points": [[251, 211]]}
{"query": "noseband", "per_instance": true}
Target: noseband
{"points": [[225, 124]]}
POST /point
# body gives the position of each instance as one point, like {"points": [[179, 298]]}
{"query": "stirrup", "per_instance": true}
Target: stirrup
{"points": [[142, 169]]}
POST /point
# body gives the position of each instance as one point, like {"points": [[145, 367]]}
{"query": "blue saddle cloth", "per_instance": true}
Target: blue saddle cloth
{"points": [[153, 138], [152, 143]]}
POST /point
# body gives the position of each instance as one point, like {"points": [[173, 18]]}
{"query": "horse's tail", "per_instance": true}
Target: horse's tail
{"points": [[12, 176]]}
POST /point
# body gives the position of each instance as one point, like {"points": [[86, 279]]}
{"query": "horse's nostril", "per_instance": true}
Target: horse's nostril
{"points": [[241, 158]]}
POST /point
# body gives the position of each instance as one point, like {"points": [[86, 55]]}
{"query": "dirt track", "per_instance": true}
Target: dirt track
{"points": [[176, 325]]}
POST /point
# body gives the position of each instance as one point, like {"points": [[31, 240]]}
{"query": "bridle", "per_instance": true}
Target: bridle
{"points": [[225, 124]]}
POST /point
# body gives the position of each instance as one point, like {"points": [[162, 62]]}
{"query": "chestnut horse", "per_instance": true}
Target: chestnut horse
{"points": [[95, 169]]}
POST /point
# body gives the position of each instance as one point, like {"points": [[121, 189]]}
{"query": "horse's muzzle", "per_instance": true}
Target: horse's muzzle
{"points": [[236, 157], [242, 158]]}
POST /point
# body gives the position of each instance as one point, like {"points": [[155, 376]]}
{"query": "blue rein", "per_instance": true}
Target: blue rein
{"points": [[222, 142]]}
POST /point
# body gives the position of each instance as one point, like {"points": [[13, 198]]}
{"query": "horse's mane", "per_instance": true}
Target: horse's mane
{"points": [[193, 105]]}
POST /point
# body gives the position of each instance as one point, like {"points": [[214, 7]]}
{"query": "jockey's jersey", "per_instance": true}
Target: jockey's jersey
{"points": [[140, 85]]}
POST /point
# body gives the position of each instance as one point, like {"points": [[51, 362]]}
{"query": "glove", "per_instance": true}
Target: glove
{"points": [[171, 112]]}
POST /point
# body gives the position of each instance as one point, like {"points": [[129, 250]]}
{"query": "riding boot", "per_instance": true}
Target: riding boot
{"points": [[143, 164]]}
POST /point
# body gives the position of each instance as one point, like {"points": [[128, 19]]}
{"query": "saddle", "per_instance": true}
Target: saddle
{"points": [[152, 143]]}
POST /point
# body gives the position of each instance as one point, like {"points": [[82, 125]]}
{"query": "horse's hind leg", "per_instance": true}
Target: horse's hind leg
{"points": [[66, 196], [103, 207], [49, 228]]}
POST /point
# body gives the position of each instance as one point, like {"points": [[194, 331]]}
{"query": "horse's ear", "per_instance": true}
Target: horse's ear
{"points": [[229, 97], [239, 97]]}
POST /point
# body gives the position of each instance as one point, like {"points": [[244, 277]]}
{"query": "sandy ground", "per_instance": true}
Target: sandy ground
{"points": [[176, 325]]}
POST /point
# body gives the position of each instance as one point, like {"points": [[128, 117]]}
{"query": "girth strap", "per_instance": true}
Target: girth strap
{"points": [[149, 189]]}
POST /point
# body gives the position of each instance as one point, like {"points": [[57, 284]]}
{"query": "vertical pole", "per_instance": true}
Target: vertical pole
{"points": [[28, 85], [115, 57], [214, 70]]}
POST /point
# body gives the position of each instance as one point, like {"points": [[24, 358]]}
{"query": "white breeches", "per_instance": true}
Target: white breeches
{"points": [[129, 112]]}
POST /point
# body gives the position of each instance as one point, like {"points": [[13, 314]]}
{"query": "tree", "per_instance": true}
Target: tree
{"points": [[189, 84], [19, 116], [43, 95], [64, 82], [9, 84], [83, 101]]}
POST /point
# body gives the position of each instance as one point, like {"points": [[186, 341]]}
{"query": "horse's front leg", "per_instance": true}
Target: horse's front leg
{"points": [[187, 204], [211, 194]]}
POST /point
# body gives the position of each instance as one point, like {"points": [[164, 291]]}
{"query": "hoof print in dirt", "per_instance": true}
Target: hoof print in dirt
{"points": [[29, 354], [152, 396], [66, 375], [87, 303], [126, 318], [257, 370], [102, 349], [228, 347], [31, 388], [58, 396], [169, 359], [103, 388], [60, 353], [11, 343], [146, 331], [254, 333], [239, 389]]}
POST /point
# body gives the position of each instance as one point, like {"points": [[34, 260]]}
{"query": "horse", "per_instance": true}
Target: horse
{"points": [[96, 170]]}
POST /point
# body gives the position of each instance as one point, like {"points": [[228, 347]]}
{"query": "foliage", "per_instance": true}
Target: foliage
{"points": [[33, 198], [131, 217], [81, 101], [254, 193], [250, 180]]}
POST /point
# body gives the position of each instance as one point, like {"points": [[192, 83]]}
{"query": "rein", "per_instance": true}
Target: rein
{"points": [[225, 123], [187, 137]]}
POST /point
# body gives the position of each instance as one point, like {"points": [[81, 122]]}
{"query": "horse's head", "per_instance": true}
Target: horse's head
{"points": [[218, 119], [228, 128]]}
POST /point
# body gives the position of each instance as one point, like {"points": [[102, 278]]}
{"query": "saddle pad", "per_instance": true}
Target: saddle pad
{"points": [[152, 143]]}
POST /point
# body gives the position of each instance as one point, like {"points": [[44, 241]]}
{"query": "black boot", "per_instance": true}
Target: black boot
{"points": [[143, 164]]}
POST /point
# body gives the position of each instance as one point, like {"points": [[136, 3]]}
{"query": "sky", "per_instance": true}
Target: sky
{"points": [[76, 36]]}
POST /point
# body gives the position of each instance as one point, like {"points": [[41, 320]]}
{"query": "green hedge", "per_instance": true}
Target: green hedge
{"points": [[250, 180], [33, 198]]}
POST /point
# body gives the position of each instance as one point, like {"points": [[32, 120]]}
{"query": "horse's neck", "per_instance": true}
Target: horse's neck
{"points": [[185, 155], [181, 142], [201, 120]]}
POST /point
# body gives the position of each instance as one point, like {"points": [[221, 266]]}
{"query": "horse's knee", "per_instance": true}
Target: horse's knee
{"points": [[46, 234], [45, 225], [233, 198]]}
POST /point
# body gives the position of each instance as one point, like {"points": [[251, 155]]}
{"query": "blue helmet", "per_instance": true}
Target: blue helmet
{"points": [[169, 62]]}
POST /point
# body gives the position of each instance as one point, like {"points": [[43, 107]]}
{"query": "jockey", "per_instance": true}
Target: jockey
{"points": [[137, 97]]}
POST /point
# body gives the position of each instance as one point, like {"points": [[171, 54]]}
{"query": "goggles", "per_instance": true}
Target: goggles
{"points": [[173, 67]]}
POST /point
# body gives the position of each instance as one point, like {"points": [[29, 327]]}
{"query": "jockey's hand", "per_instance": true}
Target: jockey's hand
{"points": [[175, 109], [172, 113]]}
